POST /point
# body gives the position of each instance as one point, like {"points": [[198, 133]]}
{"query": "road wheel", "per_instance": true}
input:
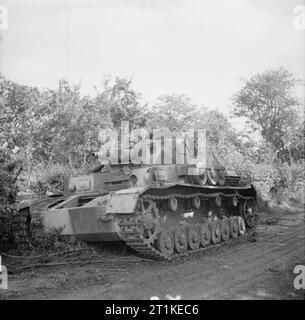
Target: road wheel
{"points": [[165, 243], [193, 236], [205, 234], [215, 232], [241, 226], [234, 227], [180, 239], [225, 230]]}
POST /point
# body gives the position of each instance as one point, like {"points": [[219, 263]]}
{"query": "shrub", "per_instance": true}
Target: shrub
{"points": [[49, 178]]}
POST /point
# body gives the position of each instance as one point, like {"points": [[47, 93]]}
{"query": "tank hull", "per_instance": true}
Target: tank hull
{"points": [[84, 223]]}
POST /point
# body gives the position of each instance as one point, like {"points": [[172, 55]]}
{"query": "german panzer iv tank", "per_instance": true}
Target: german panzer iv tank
{"points": [[160, 211]]}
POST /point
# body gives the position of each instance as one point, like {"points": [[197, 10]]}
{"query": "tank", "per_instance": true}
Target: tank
{"points": [[159, 210]]}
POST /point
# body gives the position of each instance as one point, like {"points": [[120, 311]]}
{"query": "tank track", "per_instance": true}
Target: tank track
{"points": [[21, 228], [14, 226], [130, 230]]}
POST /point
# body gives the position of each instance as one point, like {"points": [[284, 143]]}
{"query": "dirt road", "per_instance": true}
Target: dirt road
{"points": [[245, 270]]}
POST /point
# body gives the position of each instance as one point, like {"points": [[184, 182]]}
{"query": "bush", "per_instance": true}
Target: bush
{"points": [[54, 242], [294, 177], [49, 178], [276, 184]]}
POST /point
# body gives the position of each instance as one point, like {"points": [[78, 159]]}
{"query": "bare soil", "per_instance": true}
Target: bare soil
{"points": [[259, 269]]}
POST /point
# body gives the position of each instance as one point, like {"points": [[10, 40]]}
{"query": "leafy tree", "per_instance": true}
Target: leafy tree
{"points": [[294, 147], [61, 126], [218, 127], [178, 112], [173, 112], [17, 118], [60, 132], [120, 102], [268, 103]]}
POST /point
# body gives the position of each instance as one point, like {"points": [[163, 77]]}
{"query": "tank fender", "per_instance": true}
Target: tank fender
{"points": [[124, 201]]}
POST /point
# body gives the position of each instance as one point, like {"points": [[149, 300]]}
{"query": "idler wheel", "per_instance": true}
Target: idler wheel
{"points": [[172, 204], [221, 178], [180, 239], [196, 203], [248, 212], [165, 243], [225, 229], [205, 233], [215, 232], [241, 226], [193, 237], [212, 177], [234, 227]]}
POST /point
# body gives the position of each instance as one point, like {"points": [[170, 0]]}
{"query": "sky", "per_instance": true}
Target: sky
{"points": [[201, 48]]}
